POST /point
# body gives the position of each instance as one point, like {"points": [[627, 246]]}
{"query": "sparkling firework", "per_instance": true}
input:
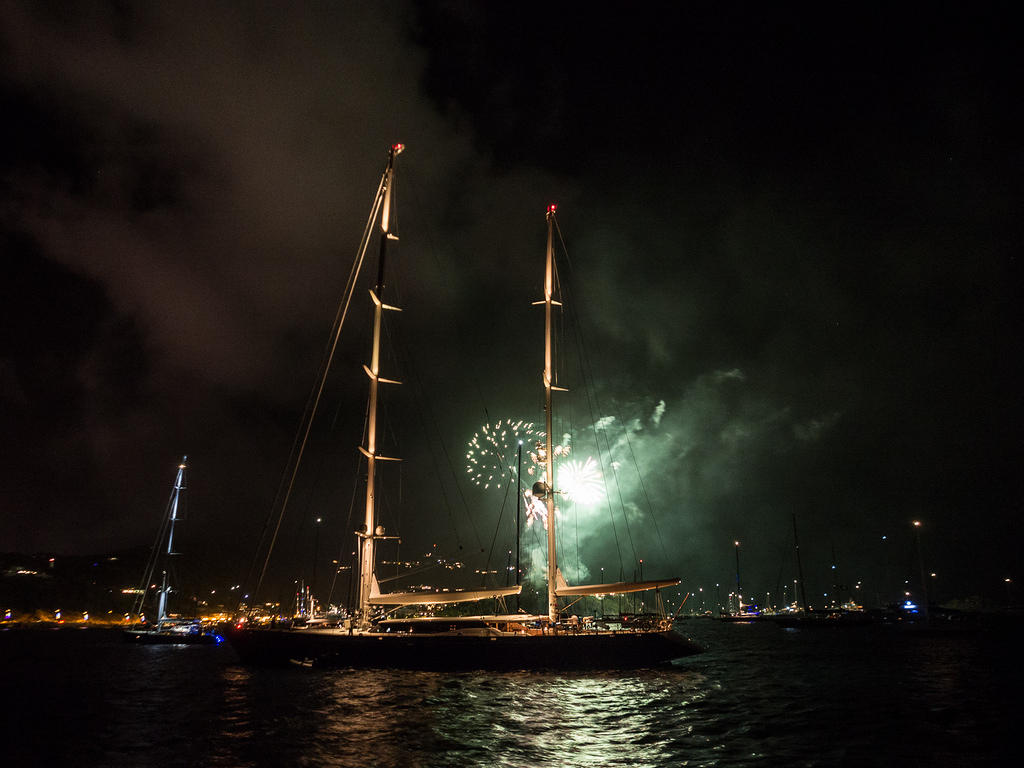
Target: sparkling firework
{"points": [[491, 457], [580, 481], [536, 509]]}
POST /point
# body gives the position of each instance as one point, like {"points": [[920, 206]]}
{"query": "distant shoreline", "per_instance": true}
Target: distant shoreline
{"points": [[90, 624]]}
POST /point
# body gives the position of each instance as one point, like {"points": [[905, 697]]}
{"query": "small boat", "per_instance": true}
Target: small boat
{"points": [[517, 641], [168, 629], [173, 632], [743, 616]]}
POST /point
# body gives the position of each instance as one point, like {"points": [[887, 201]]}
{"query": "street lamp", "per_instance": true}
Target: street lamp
{"points": [[920, 563], [739, 597], [886, 575]]}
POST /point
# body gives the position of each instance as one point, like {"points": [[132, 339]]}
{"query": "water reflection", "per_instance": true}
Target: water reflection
{"points": [[757, 696], [234, 718], [416, 718]]}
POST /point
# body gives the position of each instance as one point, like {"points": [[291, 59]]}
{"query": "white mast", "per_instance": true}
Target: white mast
{"points": [[369, 532], [549, 386], [179, 485]]}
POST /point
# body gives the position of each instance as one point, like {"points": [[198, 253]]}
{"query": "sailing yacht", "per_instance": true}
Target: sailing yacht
{"points": [[168, 628], [509, 641]]}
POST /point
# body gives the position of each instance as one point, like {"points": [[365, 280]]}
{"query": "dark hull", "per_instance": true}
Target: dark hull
{"points": [[461, 652], [150, 637]]}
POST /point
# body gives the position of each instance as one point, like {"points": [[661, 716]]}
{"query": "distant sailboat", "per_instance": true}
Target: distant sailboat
{"points": [[500, 641], [841, 616], [167, 629]]}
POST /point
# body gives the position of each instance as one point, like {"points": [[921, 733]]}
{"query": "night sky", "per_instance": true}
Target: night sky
{"points": [[793, 233]]}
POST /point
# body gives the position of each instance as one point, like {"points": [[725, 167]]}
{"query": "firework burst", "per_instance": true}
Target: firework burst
{"points": [[580, 481], [491, 454]]}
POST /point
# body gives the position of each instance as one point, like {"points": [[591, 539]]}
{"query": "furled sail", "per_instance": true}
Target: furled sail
{"points": [[435, 598], [562, 589]]}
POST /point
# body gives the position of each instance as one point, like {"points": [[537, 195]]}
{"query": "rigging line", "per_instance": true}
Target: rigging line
{"points": [[512, 473], [629, 444], [538, 543], [270, 515], [455, 480], [412, 184], [307, 502], [321, 377], [559, 533], [572, 438], [154, 555], [643, 490], [591, 395], [497, 527], [348, 523], [576, 529], [339, 322], [311, 404], [424, 409], [571, 432], [431, 248], [561, 367], [618, 490], [604, 482], [590, 392], [625, 517]]}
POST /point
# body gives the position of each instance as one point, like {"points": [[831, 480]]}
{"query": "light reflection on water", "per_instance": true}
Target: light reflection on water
{"points": [[349, 718], [757, 696]]}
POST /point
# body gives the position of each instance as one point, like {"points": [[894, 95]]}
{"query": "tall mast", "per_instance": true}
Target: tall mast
{"points": [[179, 486], [549, 386], [369, 533]]}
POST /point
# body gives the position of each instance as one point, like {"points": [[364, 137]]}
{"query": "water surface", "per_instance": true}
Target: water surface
{"points": [[759, 695]]}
